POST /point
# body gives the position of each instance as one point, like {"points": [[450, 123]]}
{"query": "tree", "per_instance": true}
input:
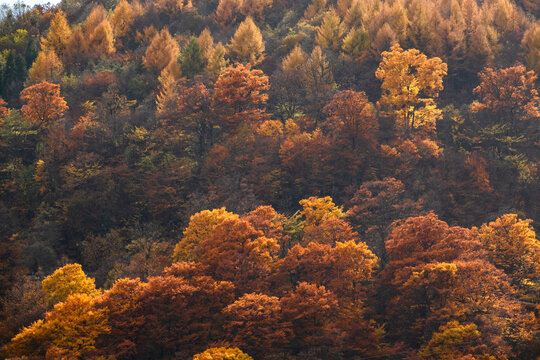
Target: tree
{"points": [[101, 40], [356, 43], [217, 62], [512, 246], [201, 225], [375, 206], [43, 103], [456, 341], [318, 82], [531, 42], [330, 32], [317, 210], [312, 310], [508, 95], [227, 12], [255, 8], [71, 329], [254, 322], [122, 18], [58, 35], [47, 67], [410, 82], [222, 353], [96, 17], [162, 51], [239, 95], [68, 280], [191, 62], [352, 116], [77, 52], [238, 253], [247, 44]]}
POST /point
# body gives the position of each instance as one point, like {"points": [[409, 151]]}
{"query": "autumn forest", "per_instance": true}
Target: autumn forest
{"points": [[270, 180]]}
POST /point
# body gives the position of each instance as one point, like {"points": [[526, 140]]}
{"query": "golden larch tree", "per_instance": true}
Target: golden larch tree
{"points": [[161, 52], [101, 41], [247, 44], [47, 67], [122, 18], [58, 36]]}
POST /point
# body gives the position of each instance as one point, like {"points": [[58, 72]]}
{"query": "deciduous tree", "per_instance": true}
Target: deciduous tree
{"points": [[410, 82], [239, 96], [43, 103], [352, 116], [67, 280], [200, 227]]}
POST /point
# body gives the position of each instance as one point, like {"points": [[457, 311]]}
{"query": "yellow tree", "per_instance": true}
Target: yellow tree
{"points": [[222, 353], [122, 18], [47, 67], [512, 246], [330, 32], [101, 40], [318, 210], [69, 279], [295, 59], [410, 82], [96, 17], [199, 228], [456, 341], [247, 44], [70, 331], [58, 36], [162, 51]]}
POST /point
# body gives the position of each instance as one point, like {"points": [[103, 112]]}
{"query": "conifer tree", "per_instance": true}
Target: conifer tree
{"points": [[192, 60], [58, 36], [217, 62], [162, 51], [101, 41], [47, 67], [247, 44]]}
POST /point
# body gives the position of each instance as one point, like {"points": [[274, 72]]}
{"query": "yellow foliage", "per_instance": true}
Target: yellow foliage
{"points": [[317, 210], [330, 32], [410, 82], [58, 35], [199, 228], [71, 329], [162, 51], [69, 279], [222, 353], [47, 67], [294, 60], [122, 18], [512, 245], [101, 40], [271, 128], [247, 43]]}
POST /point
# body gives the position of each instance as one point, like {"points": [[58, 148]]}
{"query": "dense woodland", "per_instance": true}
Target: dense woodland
{"points": [[270, 179]]}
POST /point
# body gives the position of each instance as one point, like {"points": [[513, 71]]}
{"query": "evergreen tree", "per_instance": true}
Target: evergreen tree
{"points": [[191, 60]]}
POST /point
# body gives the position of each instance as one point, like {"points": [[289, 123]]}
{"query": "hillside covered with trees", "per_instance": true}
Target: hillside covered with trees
{"points": [[270, 179]]}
